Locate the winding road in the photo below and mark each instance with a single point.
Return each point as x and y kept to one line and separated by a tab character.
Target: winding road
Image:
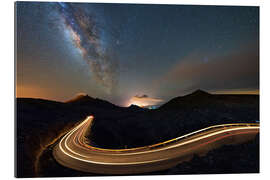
72	151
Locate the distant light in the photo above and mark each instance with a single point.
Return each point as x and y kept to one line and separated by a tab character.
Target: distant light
151	107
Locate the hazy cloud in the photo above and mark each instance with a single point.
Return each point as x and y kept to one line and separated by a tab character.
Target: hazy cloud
144	100
141	96
239	70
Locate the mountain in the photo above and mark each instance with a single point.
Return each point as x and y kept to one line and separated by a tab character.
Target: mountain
135	108
85	100
41	121
197	98
80	98
200	99
199	94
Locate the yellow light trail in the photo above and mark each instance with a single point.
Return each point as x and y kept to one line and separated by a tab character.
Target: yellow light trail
88	154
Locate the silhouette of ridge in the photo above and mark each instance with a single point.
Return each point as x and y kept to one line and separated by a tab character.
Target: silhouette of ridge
86	100
201	99
80	98
199	93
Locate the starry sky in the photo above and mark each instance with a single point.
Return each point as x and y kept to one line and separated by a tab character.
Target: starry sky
132	52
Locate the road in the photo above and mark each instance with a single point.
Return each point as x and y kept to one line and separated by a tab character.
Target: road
72	151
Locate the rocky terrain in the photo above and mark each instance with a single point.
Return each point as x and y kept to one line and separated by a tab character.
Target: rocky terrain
40	122
242	158
179	116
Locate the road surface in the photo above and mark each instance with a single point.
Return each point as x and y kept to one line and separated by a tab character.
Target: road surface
72	150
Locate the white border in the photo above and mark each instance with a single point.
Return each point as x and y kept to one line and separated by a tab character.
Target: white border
7	87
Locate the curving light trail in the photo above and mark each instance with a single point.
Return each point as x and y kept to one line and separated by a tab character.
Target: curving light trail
72	151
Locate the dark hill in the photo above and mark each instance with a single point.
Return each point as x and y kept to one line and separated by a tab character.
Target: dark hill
80	98
179	116
136	108
39	121
85	100
199	94
201	99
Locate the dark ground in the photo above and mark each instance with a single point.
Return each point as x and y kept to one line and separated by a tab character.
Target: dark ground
177	117
243	158
41	121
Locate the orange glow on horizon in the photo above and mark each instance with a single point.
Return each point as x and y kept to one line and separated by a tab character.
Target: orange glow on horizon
23	91
137	104
30	92
145	101
255	92
38	92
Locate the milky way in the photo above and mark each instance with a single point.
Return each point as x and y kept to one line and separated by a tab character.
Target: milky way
86	36
115	51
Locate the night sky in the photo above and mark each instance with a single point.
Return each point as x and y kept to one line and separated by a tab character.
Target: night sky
125	52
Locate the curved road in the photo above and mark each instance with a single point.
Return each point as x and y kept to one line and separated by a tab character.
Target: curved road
72	151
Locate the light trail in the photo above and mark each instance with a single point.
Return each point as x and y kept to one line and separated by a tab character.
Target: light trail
74	153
